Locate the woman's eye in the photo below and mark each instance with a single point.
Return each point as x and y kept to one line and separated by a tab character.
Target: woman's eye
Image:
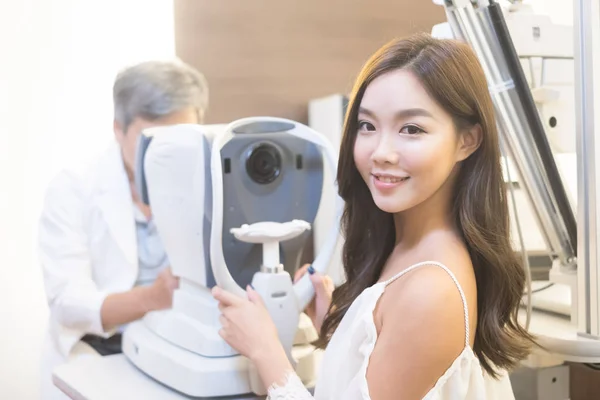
411	129
365	126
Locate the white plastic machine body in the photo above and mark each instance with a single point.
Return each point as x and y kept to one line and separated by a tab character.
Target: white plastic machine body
181	347
326	115
182	180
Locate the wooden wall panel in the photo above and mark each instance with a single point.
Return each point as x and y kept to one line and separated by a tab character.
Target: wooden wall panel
271	57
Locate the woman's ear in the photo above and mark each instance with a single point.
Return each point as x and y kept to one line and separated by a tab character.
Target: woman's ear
470	140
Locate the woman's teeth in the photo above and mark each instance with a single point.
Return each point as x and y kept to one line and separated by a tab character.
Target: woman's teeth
388	179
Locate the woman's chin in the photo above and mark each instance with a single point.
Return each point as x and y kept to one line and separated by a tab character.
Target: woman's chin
389	205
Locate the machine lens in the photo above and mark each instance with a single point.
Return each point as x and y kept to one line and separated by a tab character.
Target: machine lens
264	164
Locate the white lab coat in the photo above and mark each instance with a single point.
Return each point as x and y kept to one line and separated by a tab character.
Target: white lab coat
88	249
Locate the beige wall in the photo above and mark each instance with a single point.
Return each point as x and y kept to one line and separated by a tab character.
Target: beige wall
270	57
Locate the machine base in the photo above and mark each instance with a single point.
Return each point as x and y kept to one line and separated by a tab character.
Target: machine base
561	338
198	376
551	383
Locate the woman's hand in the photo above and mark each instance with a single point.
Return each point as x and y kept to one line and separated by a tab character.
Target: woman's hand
249	329
246	323
319	305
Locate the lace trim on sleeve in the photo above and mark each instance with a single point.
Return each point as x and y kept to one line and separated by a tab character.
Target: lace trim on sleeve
292	389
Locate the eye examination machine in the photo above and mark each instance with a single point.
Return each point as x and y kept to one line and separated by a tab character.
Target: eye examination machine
232	208
251	201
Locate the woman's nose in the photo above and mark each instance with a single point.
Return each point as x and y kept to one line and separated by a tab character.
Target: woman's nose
385	152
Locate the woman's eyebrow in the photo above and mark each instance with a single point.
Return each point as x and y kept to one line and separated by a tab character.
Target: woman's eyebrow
406	113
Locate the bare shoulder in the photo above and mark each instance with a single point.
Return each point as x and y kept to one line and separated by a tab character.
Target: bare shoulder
421	333
428	297
431	296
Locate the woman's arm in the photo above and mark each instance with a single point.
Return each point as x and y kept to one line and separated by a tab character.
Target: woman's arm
422	331
248	328
279	377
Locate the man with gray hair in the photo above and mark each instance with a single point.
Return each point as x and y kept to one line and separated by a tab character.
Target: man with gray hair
103	263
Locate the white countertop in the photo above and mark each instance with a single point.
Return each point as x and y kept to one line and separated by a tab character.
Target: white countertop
115	378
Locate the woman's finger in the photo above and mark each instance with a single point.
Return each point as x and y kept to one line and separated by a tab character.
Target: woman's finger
253	296
230	313
225	297
223	308
328	283
224	321
300	272
323	284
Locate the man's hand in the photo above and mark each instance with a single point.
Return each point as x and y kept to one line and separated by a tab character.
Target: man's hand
161	291
125	307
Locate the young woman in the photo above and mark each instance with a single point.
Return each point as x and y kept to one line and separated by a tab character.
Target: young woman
429	308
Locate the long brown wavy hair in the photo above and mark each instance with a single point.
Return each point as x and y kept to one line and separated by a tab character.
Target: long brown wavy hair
451	74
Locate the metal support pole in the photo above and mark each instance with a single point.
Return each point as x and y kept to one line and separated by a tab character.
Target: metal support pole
586	26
